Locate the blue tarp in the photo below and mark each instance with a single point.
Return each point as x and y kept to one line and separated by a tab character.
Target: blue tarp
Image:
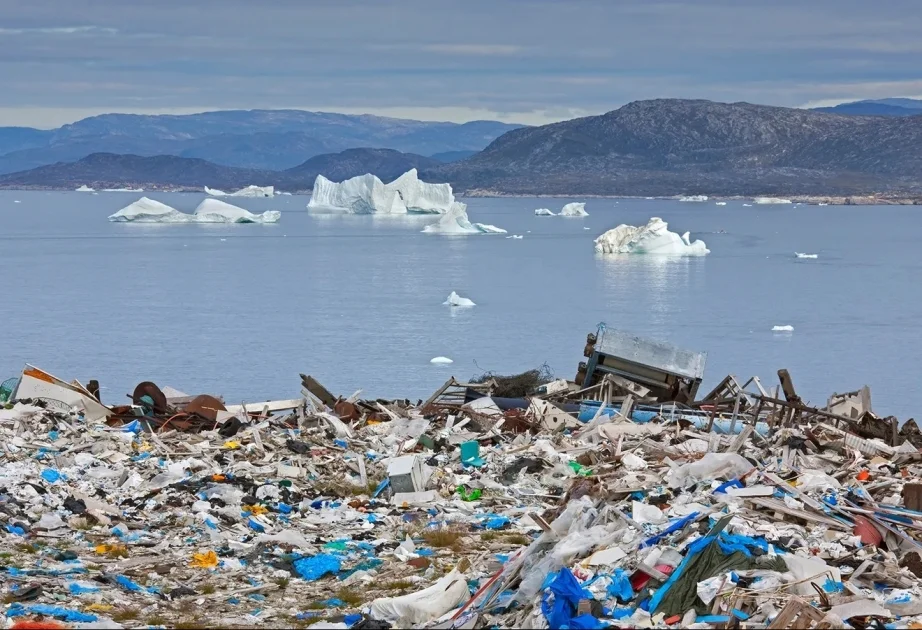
315	567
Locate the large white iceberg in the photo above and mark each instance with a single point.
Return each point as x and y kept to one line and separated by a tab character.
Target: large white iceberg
146	210
456	221
652	238
216	211
249	191
544	212
85	188
366	194
422	197
697	198
574	210
769	200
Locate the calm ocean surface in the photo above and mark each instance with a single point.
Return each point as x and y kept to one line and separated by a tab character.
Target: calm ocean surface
240	310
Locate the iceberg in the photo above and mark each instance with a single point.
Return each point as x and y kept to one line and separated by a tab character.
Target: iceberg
441	361
366	194
216	211
800	255
456	300
519	237
762	201
85	188
652	238
146	210
123	190
544	212
456	221
786	328
574	210
249	191
421	197
721	203
694	198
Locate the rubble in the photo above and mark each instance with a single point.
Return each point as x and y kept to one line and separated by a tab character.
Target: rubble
622	499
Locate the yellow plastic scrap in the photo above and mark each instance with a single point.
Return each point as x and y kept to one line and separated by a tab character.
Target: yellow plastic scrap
232	445
207	560
97	607
255	510
111	549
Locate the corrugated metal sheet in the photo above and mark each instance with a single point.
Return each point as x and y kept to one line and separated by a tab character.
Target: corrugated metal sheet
656	354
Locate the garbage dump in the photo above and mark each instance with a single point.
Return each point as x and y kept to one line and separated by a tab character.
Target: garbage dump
623	499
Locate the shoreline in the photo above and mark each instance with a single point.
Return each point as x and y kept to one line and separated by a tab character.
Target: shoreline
830	200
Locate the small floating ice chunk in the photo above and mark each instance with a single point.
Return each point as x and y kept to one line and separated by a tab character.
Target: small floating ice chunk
456	221
16	201
747	205
441	361
652	238
574	210
456	300
543	212
802	255
694	198
515	236
85	188
214	192
785	328
763	201
123	190
721	203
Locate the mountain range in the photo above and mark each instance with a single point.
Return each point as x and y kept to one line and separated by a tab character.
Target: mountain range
880	107
255	139
646	148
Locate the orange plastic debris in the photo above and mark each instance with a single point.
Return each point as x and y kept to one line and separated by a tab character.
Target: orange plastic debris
207	560
864	475
27	624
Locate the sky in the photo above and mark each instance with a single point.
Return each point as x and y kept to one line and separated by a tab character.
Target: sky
526	61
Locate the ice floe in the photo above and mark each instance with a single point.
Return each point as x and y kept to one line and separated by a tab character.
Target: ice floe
441	361
785	328
544	212
720	203
517	237
652	238
85	188
456	300
574	210
456	221
216	211
249	191
765	201
802	255
366	194
146	210
697	198
123	190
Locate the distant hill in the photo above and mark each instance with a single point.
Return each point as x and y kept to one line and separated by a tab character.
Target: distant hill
452	156
107	170
387	164
256	139
881	107
671	146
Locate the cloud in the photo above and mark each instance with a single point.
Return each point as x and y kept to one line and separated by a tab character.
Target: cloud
527	60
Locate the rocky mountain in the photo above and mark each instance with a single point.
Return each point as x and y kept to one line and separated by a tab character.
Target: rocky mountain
387	164
256	139
881	107
670	147
108	170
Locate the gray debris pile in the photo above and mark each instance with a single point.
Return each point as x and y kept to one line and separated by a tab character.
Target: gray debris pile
621	499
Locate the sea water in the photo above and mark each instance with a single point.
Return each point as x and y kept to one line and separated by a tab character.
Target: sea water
356	301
